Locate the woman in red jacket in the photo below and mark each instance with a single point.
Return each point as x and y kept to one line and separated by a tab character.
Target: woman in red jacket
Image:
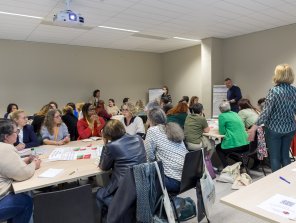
91	124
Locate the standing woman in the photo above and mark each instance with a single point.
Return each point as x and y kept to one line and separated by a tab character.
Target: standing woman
166	94
91	124
14	207
10	108
26	137
54	131
278	117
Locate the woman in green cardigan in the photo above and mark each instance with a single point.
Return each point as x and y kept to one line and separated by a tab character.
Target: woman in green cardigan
236	137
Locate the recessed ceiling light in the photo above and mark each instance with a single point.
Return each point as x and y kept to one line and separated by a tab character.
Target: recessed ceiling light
120	29
194	40
15	14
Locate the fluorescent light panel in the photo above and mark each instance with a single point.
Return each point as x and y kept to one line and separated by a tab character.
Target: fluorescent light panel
194	40
120	29
22	15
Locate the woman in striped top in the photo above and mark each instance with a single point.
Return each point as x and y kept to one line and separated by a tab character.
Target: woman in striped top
164	141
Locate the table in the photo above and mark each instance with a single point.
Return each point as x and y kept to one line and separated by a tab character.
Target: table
82	168
247	199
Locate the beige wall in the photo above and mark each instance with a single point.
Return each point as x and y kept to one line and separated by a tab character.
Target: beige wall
32	74
250	59
182	72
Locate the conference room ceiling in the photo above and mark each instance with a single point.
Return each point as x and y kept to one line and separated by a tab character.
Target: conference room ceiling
158	21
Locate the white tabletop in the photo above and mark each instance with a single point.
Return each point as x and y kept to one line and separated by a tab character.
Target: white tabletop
81	168
247	199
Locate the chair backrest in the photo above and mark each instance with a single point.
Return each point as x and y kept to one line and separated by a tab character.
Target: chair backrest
123	206
71	205
193	169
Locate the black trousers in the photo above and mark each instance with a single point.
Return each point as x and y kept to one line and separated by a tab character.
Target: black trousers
222	153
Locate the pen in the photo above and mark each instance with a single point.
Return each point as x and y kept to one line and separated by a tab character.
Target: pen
72	172
282	178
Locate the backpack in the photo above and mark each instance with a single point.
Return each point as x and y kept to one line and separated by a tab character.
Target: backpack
186	208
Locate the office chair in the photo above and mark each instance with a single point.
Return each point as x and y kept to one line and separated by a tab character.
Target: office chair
123	205
71	205
245	157
193	169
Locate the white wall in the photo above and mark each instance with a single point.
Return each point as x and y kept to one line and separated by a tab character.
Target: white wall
32	74
182	72
250	59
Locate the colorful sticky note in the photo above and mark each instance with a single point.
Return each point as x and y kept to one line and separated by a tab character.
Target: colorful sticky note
87	156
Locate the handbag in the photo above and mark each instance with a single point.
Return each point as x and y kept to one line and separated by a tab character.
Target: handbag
209	166
165	198
208	190
230	173
241	181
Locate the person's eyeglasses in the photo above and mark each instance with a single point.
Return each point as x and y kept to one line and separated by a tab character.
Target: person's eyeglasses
124	109
57	116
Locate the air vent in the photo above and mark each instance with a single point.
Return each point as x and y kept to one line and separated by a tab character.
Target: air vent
149	36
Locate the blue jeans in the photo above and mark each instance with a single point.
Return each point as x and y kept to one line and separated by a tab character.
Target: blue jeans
16	208
172	185
278	145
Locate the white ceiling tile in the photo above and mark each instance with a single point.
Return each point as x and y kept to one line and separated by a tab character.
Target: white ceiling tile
194	19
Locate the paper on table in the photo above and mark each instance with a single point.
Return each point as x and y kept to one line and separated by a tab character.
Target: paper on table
50	173
280	205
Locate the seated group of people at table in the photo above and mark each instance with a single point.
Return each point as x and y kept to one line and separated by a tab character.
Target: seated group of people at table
125	147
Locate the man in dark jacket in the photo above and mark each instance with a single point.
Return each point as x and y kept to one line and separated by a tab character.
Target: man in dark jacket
122	152
233	94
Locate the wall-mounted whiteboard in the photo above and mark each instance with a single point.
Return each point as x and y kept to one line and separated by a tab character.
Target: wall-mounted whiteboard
154	93
219	94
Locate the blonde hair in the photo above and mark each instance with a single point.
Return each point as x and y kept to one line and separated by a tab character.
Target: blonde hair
283	73
15	115
79	106
131	108
67	109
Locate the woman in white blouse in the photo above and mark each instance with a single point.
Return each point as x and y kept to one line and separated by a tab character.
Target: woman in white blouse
133	124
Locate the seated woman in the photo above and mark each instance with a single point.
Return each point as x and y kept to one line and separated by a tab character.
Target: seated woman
26	137
14	207
75	111
38	120
195	126
121	151
248	113
164	141
101	111
54	131
178	114
91	124
193	100
133	124
71	122
236	137
10	108
112	109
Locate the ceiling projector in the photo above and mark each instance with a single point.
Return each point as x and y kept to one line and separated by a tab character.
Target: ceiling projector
68	18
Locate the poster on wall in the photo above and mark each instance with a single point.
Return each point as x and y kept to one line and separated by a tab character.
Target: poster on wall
154	93
219	95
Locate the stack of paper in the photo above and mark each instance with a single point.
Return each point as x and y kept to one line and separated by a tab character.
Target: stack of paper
50	173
